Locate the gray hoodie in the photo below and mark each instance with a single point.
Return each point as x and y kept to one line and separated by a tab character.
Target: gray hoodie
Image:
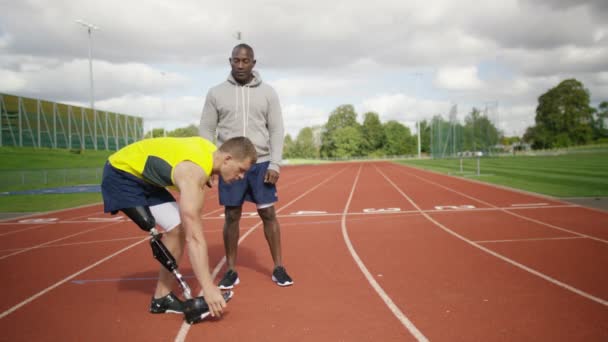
252	110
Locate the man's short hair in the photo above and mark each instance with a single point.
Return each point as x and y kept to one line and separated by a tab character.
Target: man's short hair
244	46
240	148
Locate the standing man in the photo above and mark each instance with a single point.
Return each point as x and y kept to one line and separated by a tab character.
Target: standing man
134	182
244	105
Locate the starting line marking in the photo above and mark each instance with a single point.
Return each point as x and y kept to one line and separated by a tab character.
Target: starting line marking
455	207
382	210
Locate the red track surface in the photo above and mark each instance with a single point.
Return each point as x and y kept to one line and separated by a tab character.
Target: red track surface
378	252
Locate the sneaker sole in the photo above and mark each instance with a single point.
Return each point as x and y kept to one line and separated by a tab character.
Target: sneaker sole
288	283
223	287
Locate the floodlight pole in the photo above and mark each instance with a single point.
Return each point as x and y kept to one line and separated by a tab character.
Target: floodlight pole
418	123
90	28
417	75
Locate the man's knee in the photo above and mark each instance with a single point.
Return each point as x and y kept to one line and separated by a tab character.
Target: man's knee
267	214
232	214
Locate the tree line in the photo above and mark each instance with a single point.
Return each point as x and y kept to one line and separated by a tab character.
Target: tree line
564	117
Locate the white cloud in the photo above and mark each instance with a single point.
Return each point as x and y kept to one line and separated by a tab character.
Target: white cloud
458	78
297	117
320	54
312	86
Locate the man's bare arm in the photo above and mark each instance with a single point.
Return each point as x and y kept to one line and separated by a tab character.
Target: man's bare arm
191	179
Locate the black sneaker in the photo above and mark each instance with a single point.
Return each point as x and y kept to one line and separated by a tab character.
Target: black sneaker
167	304
280	276
230	279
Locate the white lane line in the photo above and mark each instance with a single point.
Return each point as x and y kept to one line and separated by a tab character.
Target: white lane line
74	243
185	328
511	212
500	256
534	239
9	311
370	278
48	212
49	242
285	186
34	227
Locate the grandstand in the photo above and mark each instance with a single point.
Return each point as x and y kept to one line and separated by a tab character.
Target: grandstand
27	122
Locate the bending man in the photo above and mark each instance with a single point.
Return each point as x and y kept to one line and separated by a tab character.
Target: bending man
135	180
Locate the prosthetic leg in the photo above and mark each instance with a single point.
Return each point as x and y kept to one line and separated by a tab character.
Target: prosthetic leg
195	309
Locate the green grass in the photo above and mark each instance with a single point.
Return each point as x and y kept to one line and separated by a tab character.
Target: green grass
583	174
22	169
27	158
298	161
567	175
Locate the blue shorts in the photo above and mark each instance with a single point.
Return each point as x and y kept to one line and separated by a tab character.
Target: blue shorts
251	188
121	190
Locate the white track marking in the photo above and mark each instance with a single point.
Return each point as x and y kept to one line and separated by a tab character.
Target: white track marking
49	242
533	239
34	227
509	211
285	186
74	243
500	256
48	212
183	330
9	311
370	278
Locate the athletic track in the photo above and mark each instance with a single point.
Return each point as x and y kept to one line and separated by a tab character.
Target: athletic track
378	252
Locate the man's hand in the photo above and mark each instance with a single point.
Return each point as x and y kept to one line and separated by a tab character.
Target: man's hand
214	299
271	176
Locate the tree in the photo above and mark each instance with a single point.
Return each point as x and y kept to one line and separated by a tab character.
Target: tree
399	140
480	132
305	145
348	142
600	122
190	131
342	117
425	136
155	133
288	147
373	133
563	117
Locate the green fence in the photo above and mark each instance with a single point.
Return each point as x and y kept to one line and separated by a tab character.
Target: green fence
11	180
40	123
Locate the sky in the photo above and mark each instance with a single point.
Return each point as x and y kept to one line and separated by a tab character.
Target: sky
405	60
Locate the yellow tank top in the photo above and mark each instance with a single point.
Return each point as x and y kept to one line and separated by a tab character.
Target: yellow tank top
154	160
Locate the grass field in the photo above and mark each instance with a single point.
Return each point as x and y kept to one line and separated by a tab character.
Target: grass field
24	158
567	175
582	174
30	162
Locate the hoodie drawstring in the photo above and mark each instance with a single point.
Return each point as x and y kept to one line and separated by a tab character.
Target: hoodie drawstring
244	104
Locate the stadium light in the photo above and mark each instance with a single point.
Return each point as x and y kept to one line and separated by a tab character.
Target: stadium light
417	76
90	28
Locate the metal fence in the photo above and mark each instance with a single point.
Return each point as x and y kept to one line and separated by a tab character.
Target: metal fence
39	123
31	179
